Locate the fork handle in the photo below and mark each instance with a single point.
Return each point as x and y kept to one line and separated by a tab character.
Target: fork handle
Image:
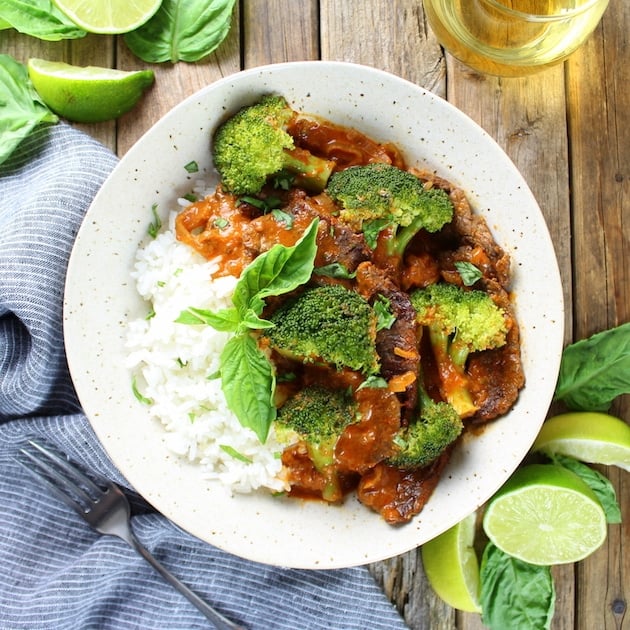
221	622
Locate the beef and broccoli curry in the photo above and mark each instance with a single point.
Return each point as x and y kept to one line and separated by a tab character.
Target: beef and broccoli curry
402	337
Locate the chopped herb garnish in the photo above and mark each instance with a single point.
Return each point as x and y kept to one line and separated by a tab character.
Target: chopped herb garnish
265	205
232	452
181	363
283	217
156	224
192	167
150	315
220	223
384	316
376	382
335	270
468	272
136	392
190	197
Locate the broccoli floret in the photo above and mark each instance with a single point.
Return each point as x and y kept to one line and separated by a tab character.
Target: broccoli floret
424	440
318	415
328	324
379	196
459	321
253	145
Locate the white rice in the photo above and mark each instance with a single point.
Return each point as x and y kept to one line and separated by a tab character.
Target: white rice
173	365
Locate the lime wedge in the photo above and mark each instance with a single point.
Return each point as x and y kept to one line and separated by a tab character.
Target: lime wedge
87	94
109	16
451	566
591	437
545	515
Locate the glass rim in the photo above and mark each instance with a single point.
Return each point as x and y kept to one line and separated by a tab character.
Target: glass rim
534	17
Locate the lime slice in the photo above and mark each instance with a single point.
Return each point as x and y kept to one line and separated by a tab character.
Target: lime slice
591	437
545	515
87	94
109	16
451	566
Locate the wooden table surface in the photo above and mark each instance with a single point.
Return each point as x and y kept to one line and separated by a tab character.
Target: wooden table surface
568	131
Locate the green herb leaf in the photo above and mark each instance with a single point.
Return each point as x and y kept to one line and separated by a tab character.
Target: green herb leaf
468	272
603	489
136	392
384	317
248	382
232	452
226	320
39	18
371	230
21	108
376	382
515	594
335	270
182	31
594	371
279	270
283	217
156	225
192	167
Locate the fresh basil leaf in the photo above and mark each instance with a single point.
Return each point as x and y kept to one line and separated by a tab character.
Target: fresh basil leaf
39	18
468	272
225	320
603	489
251	320
515	594
335	270
279	270
594	371
182	30
21	108
248	383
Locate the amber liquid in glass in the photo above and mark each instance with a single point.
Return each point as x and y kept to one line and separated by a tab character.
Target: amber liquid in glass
494	36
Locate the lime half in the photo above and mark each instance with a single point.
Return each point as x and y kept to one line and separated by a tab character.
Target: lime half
545	515
87	94
452	568
109	17
597	438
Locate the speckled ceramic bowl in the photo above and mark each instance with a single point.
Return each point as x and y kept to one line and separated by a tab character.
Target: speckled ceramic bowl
100	299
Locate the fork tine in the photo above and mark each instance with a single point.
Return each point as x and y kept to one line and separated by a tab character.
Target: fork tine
55	469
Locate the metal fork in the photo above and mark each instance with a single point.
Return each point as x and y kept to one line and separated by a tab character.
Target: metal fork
107	511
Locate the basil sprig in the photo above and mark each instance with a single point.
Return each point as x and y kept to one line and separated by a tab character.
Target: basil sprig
594	371
182	31
515	594
247	376
21	108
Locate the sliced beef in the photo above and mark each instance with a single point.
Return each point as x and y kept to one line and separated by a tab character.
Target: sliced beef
398	345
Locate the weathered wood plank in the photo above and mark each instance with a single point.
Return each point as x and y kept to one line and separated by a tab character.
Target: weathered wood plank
279	31
526	116
391	36
599	121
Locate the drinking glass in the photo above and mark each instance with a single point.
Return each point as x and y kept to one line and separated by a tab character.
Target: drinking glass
513	37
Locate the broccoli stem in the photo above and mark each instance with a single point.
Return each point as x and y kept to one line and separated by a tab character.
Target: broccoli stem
397	244
312	172
451	359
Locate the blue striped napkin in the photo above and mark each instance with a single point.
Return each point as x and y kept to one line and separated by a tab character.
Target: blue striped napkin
55	572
